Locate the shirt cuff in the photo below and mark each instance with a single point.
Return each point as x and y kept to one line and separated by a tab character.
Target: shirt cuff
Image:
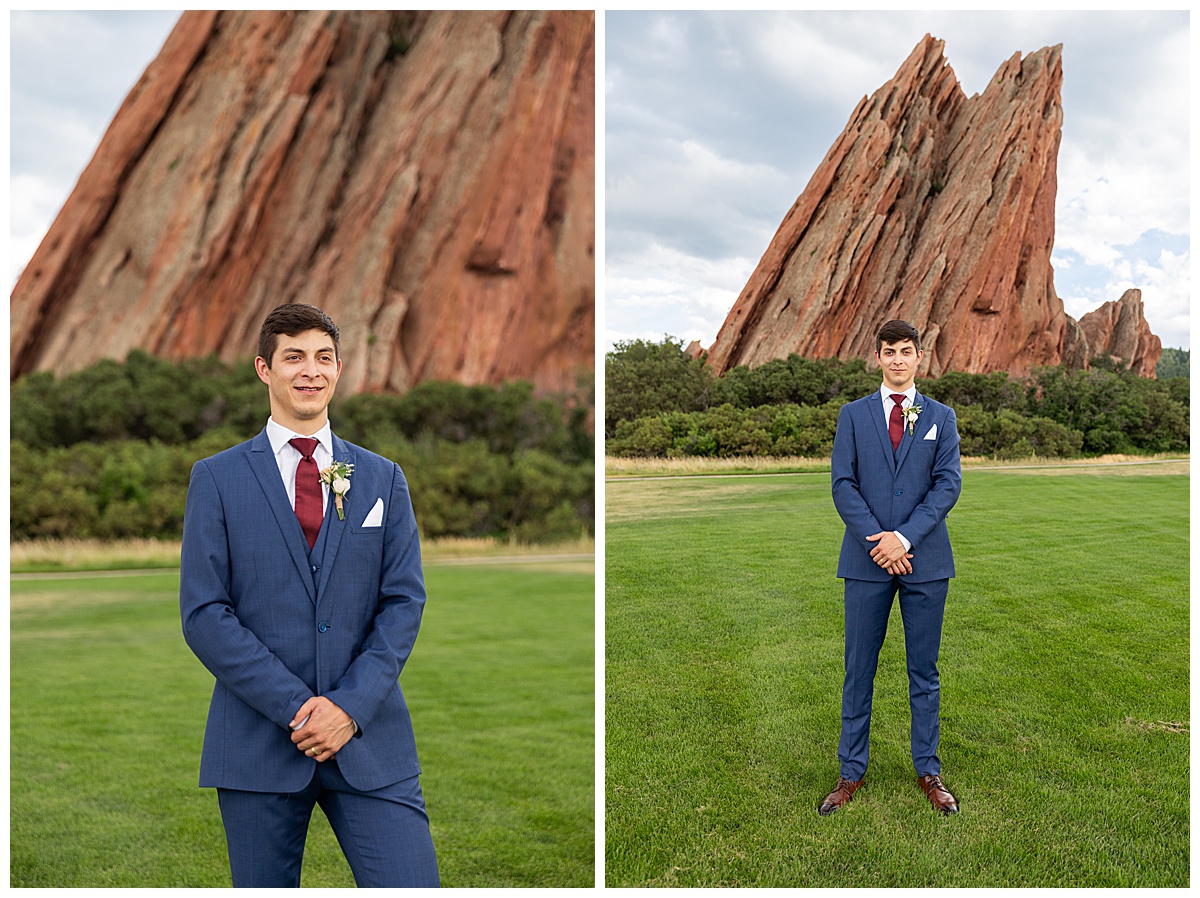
900	536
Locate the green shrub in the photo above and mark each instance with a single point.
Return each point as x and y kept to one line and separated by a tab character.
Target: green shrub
642	378
1006	435
804	430
727	431
1116	411
1174	363
794	380
643	438
661	403
990	392
106	452
508	418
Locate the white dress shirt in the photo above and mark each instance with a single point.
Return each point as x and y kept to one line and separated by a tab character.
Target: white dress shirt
910	396
287	457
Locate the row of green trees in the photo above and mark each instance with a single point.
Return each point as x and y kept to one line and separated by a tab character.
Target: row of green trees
661	402
1173	363
107	452
786	430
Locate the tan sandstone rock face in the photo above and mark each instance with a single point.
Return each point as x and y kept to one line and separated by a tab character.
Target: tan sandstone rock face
426	178
939	210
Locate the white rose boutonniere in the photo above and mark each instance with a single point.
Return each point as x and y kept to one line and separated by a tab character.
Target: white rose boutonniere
910	415
337	478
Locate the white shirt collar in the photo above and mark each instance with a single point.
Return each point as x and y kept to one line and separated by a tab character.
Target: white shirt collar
910	394
280	436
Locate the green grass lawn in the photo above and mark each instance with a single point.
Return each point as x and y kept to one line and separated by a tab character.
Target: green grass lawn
108	708
1064	672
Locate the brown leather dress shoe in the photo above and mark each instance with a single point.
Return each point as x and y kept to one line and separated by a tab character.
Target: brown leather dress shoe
841	794
939	796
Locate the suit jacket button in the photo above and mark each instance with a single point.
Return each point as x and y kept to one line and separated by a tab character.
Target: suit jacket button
312	568
898	492
322	626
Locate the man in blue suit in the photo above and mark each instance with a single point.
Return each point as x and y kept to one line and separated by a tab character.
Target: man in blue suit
895	473
302	594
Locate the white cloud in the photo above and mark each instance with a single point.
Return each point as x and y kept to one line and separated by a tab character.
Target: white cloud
802	57
70	72
664	183
1166	295
1106	201
34	200
695	293
1165	282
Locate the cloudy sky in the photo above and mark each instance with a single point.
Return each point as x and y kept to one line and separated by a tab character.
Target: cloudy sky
69	73
714	123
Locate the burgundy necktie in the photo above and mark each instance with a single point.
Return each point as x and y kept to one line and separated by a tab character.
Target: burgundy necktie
308	489
896	421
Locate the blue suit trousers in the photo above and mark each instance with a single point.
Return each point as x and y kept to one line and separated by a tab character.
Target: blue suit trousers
868	604
384	834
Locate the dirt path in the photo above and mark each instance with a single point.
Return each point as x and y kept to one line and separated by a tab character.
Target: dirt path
538	560
1141	466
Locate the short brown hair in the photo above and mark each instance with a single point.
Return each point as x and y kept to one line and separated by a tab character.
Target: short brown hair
294	318
897	331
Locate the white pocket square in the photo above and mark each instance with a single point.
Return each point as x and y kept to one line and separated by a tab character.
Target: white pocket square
375	515
932	435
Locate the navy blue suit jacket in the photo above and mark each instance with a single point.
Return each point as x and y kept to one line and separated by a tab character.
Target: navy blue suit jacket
910	490
276	624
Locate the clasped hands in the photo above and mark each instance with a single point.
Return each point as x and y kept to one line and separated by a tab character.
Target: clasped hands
325	728
889	553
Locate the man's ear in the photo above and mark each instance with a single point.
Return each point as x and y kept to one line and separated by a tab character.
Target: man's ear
263	369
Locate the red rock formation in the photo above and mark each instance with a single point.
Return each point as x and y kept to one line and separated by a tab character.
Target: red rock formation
933	208
427	178
1119	330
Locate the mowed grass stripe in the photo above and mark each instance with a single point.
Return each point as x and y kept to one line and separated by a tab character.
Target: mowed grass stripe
108	708
1064	690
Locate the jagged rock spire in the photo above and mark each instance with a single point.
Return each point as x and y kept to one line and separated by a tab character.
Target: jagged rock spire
934	208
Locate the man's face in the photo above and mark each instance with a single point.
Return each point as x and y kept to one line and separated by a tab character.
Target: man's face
899	362
301	379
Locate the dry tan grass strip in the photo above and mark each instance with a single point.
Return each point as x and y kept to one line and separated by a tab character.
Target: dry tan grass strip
1168	726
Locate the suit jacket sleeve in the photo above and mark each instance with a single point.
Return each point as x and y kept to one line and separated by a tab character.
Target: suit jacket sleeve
946	485
372	675
847	498
232	653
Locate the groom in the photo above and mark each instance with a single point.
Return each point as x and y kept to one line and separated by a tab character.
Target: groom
896	476
302	594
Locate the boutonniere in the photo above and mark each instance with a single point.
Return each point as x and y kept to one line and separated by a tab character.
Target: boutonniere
910	415
337	478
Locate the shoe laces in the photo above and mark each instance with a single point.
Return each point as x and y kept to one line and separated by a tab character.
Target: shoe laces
845	785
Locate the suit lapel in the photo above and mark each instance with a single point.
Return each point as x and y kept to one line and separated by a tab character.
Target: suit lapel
875	407
262	462
336	528
906	439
